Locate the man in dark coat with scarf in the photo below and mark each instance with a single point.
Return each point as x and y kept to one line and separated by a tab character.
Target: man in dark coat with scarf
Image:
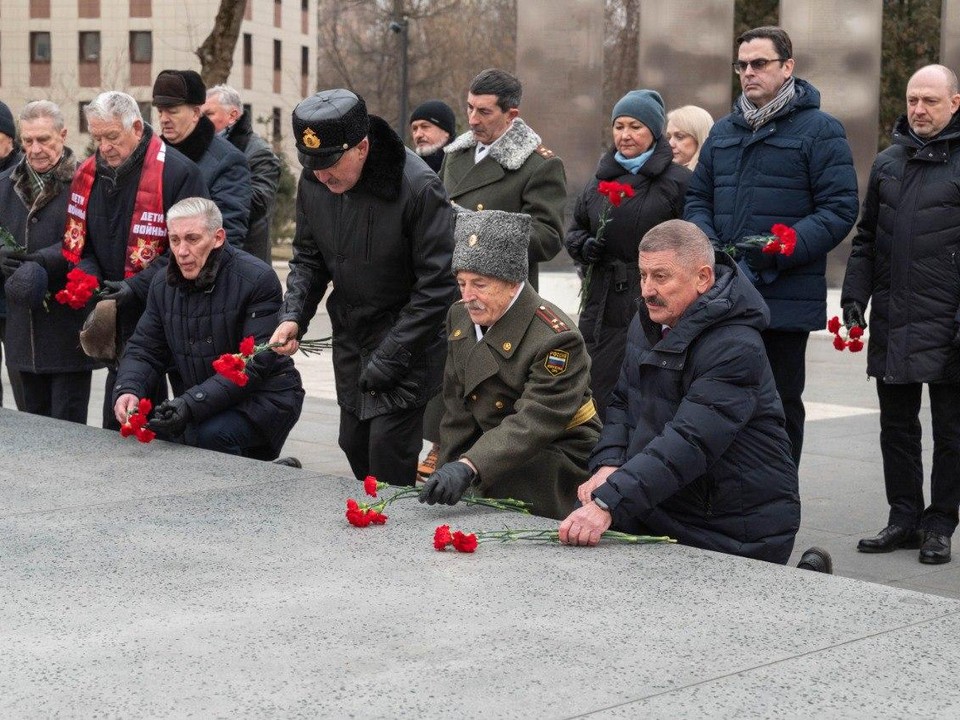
115	220
210	298
224	109
777	158
519	419
906	263
373	220
42	348
694	445
178	96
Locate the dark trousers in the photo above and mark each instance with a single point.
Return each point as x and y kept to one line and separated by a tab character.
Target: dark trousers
229	432
109	418
386	446
15	384
900	436
787	353
63	396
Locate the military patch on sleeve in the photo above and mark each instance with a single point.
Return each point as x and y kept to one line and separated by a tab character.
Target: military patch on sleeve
556	361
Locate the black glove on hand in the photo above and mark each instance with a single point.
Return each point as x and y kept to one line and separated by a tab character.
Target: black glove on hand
592	250
448	484
853	314
10	260
377	376
755	258
171	417
118	290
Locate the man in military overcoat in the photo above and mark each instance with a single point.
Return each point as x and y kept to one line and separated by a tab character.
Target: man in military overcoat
519	420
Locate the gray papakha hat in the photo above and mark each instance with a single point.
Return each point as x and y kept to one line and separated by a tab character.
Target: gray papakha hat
492	243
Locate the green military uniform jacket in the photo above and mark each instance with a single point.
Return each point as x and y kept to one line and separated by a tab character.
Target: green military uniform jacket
518	175
518	404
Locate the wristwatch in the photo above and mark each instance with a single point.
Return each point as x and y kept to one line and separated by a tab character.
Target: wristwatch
599	503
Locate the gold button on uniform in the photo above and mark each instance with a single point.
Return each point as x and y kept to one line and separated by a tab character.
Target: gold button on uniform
479	206
473	397
508	346
499	404
457	332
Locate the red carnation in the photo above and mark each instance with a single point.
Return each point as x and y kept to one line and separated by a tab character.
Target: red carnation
442	537
370	485
839	343
834	325
615	192
855	345
247	346
464	542
855	332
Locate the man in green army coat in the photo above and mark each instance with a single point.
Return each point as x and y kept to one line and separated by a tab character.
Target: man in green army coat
519	420
500	164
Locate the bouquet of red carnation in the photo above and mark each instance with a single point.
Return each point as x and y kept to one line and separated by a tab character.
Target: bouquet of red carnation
614	193
781	241
851	341
362	514
137	421
468	542
80	288
233	366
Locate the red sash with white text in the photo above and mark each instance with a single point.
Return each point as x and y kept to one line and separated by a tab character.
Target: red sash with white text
148	226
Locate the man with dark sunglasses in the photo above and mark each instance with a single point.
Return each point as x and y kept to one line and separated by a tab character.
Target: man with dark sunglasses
777	158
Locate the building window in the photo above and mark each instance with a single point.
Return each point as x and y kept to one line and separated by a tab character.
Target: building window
39	8
141	46
89	47
140	9
277	13
88	8
84	128
305	16
247	49
248	11
146	110
277	55
276	125
40	47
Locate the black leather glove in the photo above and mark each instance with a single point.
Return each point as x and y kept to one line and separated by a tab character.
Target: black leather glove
10	260
448	484
592	250
378	376
755	258
853	314
118	290
171	417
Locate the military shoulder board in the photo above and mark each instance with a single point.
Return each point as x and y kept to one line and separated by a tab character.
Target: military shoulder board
544	151
552	319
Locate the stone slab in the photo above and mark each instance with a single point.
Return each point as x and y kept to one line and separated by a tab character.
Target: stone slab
164	581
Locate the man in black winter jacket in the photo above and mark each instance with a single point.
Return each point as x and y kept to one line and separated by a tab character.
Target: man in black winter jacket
375	221
211	297
906	263
694	444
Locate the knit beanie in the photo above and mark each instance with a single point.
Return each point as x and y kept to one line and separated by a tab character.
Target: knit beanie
27	286
7	126
643	105
492	243
438	113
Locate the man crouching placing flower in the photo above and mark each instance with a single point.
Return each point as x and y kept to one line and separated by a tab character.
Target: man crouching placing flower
519	421
210	298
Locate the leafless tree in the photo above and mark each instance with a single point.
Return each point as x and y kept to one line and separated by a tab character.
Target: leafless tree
216	51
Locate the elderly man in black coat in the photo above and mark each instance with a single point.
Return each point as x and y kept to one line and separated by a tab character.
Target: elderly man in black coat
905	263
210	298
375	221
694	444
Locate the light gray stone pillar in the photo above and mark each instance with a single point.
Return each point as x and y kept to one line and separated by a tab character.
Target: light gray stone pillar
559	62
685	52
950	34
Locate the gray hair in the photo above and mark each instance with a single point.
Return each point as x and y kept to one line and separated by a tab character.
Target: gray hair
690	243
197	207
111	105
227	96
43	109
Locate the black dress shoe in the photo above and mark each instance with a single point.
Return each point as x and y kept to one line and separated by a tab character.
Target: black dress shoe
935	549
889	539
288	461
816	559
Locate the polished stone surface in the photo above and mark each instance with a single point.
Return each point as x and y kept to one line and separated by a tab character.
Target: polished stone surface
156	580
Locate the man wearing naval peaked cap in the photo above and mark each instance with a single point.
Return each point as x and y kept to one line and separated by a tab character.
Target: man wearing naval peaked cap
519	420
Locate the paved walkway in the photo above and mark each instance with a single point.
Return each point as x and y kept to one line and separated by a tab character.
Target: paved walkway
840	475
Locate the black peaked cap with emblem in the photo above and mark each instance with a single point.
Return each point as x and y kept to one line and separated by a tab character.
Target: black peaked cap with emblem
327	124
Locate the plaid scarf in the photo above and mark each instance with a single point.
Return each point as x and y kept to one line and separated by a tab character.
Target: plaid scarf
758	117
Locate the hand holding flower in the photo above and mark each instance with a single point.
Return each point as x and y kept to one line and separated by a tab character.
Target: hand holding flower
585	525
448	484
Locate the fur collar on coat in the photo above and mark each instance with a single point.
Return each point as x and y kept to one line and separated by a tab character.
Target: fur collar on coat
510	151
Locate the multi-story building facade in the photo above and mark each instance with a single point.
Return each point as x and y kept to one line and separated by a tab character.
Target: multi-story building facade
68	51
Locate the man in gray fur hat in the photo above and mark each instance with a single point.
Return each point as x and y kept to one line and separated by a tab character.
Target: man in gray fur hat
519	419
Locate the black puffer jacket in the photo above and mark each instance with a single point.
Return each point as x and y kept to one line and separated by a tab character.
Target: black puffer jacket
264	180
109	213
42	340
386	245
696	429
906	258
659	187
189	324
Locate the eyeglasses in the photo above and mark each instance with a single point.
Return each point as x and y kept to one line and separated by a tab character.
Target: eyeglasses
740	66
